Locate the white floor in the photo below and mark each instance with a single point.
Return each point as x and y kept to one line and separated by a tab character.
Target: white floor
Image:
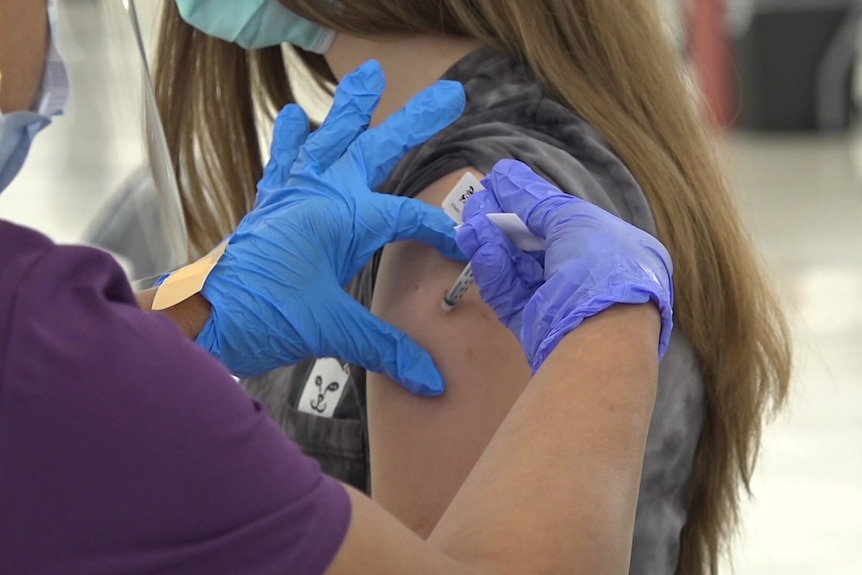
803	199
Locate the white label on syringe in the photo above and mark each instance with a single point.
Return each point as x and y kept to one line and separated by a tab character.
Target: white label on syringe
454	203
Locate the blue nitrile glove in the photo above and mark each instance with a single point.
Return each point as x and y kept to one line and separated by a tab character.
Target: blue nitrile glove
593	261
278	292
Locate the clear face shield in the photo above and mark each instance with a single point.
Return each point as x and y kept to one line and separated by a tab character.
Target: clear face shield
101	173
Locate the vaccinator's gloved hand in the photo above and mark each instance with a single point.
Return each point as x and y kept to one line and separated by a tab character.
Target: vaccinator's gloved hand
593	261
278	292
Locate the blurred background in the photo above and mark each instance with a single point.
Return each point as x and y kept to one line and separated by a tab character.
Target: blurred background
782	80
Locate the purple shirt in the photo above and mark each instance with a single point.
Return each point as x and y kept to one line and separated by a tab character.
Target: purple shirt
124	448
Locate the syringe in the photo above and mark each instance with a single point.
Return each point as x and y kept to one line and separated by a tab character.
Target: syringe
458	290
510	224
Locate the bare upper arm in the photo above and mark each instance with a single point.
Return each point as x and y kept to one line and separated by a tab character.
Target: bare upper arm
422	450
540	501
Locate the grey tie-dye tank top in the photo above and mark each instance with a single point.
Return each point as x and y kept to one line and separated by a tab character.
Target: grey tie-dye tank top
321	405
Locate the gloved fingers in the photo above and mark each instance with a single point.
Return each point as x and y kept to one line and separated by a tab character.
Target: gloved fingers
428	113
482	202
479	228
521	191
291	130
365	340
507	277
410	219
479	232
356	100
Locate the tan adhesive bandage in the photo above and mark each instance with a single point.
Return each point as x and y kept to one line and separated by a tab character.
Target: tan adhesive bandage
187	281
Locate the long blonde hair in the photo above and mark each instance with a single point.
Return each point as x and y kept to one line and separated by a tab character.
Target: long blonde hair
609	61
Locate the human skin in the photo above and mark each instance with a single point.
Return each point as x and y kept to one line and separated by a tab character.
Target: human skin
24	37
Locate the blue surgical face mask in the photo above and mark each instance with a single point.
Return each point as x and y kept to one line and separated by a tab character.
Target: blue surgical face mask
17	132
255	24
19	129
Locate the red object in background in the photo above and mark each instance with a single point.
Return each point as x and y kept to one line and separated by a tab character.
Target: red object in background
710	53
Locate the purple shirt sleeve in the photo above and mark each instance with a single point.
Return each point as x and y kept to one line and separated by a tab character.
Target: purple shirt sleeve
124	448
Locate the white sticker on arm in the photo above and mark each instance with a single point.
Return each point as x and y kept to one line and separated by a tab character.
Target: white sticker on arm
454	203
